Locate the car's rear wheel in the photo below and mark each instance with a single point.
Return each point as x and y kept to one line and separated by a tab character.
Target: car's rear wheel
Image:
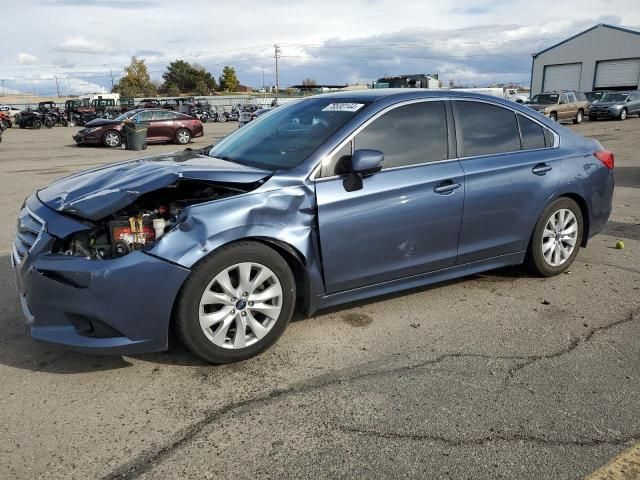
111	139
556	239
553	116
183	136
579	117
236	303
623	114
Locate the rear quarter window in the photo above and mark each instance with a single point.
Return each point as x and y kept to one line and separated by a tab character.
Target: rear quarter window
532	134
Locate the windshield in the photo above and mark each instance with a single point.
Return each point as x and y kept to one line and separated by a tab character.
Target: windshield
125	115
287	135
545	98
615	97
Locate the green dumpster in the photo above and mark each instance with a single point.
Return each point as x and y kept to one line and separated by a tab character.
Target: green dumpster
135	136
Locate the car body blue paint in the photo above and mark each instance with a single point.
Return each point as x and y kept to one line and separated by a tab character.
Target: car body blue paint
394	233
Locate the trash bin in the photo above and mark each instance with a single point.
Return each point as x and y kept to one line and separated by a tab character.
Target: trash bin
135	136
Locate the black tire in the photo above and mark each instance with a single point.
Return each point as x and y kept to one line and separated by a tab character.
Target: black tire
183	136
109	135
534	260
5	124
623	114
36	124
553	116
186	312
579	116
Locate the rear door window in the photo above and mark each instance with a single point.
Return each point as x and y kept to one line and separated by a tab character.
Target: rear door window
160	115
408	135
485	129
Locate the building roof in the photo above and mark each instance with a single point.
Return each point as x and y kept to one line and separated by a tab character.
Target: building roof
311	87
614	27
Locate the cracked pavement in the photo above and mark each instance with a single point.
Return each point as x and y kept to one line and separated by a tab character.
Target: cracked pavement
498	375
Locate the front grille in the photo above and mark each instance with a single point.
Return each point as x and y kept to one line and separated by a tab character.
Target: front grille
28	230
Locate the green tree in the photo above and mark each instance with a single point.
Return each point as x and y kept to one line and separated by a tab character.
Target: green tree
228	80
171	89
188	78
136	81
202	88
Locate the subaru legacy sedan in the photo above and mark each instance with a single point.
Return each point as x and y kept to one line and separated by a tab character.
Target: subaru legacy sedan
323	201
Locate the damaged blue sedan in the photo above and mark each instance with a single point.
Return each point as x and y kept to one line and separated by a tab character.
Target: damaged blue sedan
323	201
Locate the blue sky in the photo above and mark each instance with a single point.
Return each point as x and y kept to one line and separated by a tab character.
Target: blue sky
473	42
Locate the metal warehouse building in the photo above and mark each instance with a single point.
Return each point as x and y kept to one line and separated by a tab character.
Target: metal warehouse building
604	57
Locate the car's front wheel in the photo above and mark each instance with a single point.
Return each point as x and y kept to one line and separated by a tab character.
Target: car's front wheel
553	116
623	114
236	303
556	239
112	139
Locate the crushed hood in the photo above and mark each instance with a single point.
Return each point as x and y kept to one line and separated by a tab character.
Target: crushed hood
97	193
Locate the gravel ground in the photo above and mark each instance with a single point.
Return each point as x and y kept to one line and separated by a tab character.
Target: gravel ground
499	375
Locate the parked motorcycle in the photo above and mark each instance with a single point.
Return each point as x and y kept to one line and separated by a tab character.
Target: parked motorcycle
5	120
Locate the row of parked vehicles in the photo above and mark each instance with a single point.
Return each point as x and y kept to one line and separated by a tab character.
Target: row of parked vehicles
82	111
572	105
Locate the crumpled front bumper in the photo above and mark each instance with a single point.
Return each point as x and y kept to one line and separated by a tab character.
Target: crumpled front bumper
119	306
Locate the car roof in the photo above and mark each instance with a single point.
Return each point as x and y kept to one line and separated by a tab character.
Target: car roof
375	94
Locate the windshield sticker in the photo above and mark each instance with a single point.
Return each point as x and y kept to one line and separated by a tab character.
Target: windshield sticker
343	107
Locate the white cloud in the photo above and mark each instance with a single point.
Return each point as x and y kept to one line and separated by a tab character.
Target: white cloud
26	59
80	44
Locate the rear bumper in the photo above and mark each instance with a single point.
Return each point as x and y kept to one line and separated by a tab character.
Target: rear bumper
119	306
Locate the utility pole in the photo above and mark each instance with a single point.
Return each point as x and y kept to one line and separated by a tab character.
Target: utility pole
68	85
3	82
112	80
57	86
277	54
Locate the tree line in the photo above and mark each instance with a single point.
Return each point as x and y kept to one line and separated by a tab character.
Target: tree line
179	77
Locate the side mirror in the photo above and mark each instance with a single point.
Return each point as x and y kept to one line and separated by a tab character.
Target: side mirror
367	162
363	162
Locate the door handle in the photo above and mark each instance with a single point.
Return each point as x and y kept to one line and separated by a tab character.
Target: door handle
447	187
542	169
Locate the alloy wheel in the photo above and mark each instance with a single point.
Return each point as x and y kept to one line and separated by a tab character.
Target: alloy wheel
559	237
240	305
111	139
183	137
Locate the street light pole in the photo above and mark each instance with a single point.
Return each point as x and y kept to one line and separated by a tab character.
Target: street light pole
277	54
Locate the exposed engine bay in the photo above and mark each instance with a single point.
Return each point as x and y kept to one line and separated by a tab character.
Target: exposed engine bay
145	221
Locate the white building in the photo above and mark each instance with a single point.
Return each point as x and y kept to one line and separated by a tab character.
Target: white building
604	57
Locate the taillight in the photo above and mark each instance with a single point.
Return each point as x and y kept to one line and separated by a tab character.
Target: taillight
606	157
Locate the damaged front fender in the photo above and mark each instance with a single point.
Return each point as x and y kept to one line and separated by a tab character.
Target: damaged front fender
285	215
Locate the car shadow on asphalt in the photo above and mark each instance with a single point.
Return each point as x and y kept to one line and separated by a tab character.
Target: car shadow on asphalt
627	177
19	350
629	231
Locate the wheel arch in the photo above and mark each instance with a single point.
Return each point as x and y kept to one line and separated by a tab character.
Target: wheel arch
584	210
294	258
